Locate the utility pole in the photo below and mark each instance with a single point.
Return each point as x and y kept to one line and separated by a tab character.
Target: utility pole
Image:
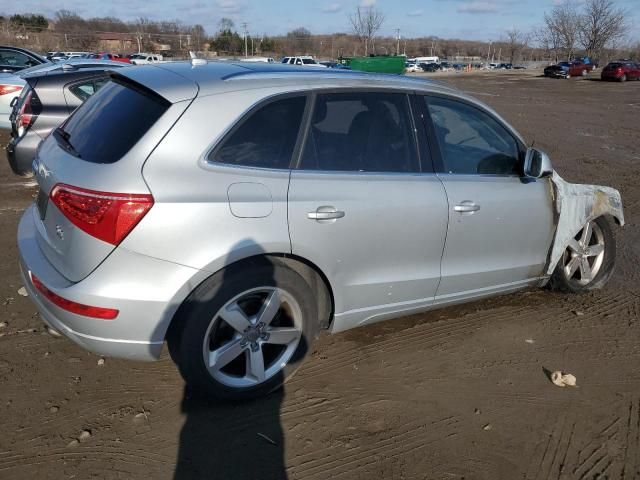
488	52
244	26
397	41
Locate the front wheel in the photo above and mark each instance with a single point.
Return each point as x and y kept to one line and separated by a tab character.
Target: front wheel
242	333
589	259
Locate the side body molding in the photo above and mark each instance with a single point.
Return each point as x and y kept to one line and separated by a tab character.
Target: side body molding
576	205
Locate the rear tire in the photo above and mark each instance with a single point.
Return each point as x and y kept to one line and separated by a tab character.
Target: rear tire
598	248
244	331
623	78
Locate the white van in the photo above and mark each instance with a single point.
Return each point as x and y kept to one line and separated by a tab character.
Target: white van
420	60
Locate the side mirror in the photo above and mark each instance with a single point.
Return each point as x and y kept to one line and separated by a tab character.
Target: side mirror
537	164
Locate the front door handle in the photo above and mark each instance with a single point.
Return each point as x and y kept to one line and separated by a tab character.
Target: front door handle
325	213
466	206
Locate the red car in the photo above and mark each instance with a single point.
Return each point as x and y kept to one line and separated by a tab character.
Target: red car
578	69
109	56
621	71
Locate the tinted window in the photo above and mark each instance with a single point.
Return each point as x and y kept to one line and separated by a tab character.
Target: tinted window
85	89
471	141
367	132
267	138
10	58
110	122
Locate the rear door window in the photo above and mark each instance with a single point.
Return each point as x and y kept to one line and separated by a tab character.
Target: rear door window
361	132
85	89
266	138
472	141
110	122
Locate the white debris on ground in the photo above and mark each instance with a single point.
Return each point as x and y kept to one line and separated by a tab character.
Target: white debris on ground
23	291
563	379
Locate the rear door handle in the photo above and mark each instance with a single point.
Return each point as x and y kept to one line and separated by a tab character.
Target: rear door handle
325	213
466	206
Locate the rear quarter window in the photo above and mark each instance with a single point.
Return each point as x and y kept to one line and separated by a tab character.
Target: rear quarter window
111	122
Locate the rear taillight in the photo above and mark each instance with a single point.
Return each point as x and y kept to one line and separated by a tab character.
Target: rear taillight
106	216
26	115
71	306
7	89
618	70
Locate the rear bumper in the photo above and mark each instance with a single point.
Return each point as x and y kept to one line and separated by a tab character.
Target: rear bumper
145	290
21	151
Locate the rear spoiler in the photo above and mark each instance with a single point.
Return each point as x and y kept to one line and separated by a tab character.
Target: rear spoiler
159	81
138	87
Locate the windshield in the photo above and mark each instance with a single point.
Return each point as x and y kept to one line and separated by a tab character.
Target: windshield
308	61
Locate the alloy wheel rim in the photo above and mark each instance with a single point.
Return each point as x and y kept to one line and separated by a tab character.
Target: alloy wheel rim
583	258
252	337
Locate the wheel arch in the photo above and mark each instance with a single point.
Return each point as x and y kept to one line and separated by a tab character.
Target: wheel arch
312	274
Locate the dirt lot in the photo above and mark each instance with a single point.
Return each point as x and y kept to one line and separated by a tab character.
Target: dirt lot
455	393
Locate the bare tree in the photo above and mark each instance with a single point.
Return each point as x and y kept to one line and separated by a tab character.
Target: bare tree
601	24
299	40
365	23
565	20
515	42
549	39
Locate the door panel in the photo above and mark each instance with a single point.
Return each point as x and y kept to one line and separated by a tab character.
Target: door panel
360	209
505	240
386	249
500	224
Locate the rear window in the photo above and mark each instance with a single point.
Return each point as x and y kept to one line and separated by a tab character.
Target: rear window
110	122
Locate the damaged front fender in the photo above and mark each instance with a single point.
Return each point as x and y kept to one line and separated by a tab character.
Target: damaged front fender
576	205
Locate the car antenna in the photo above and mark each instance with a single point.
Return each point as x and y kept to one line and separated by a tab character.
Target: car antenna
195	61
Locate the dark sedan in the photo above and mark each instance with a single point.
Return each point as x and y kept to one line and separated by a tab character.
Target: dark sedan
13	59
567	70
45	102
430	67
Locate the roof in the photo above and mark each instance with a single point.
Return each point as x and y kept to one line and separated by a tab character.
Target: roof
178	81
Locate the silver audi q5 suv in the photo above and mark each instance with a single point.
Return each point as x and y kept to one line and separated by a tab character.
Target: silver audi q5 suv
236	210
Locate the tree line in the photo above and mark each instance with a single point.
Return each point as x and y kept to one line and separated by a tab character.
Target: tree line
594	27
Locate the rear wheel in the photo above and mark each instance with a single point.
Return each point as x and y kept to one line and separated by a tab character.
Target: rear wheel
589	259
242	333
623	78
584	73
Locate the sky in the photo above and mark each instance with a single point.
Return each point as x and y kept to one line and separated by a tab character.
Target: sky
465	19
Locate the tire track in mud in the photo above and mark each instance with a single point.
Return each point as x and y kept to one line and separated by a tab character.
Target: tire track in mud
425	335
565	455
335	462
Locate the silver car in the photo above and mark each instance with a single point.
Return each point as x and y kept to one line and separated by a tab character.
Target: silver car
235	210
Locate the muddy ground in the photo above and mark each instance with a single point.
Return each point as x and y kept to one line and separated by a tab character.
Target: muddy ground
455	393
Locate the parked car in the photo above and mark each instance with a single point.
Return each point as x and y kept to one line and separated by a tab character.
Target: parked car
412	68
258	59
295	218
145	58
567	70
430	67
621	71
14	59
12	83
505	66
47	99
305	61
109	56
